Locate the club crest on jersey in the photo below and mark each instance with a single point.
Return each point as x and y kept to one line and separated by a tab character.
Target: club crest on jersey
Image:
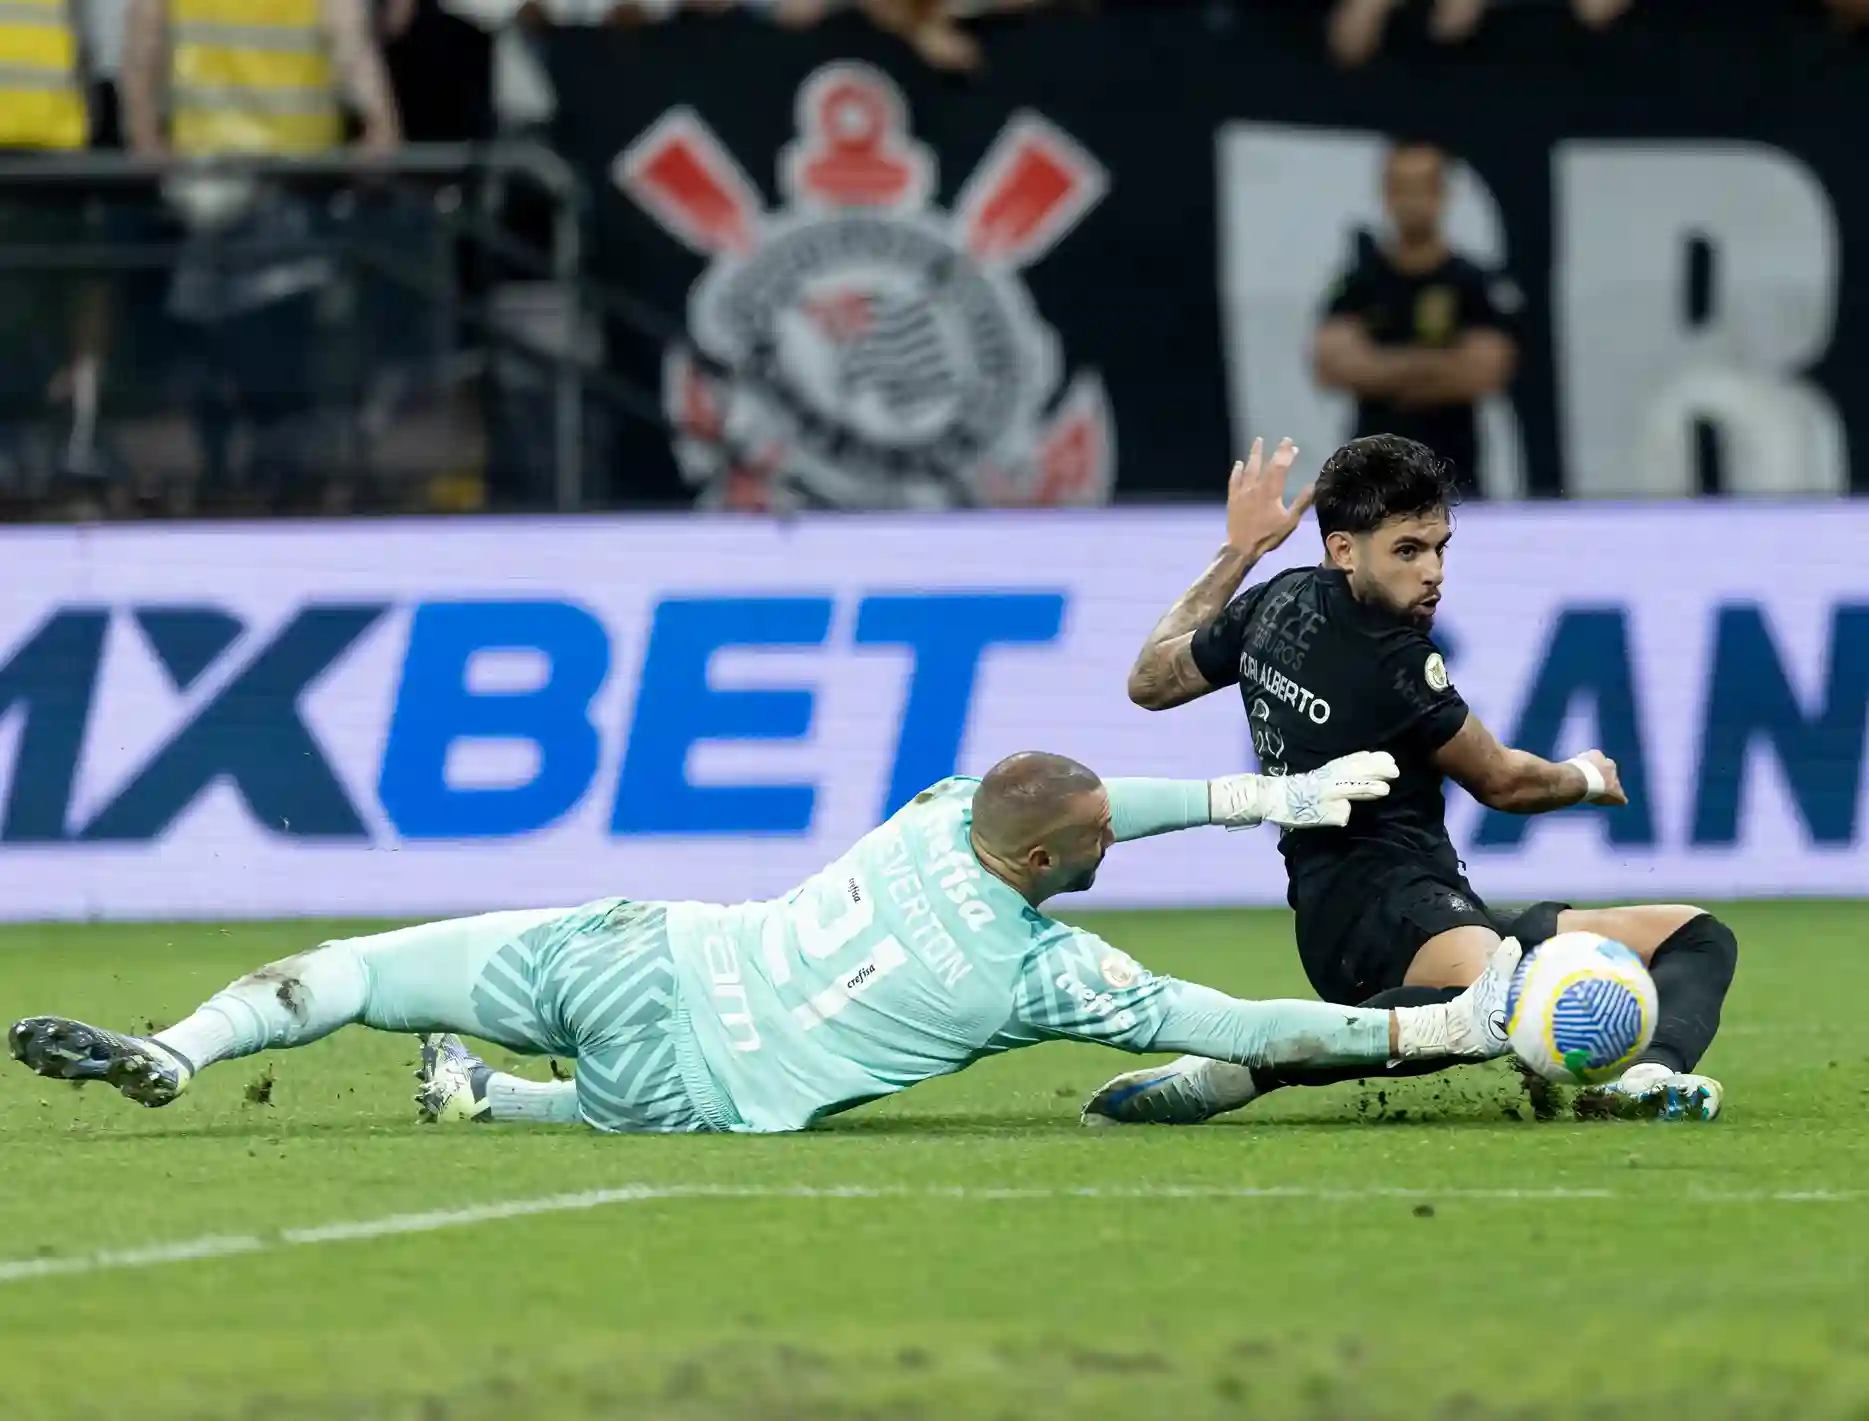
1436	672
1119	970
859	344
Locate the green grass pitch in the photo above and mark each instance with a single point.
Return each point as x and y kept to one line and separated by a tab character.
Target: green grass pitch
963	1251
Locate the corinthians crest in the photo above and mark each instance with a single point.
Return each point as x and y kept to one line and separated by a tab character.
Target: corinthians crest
858	346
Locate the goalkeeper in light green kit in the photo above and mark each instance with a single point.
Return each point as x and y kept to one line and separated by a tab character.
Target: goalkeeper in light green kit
920	951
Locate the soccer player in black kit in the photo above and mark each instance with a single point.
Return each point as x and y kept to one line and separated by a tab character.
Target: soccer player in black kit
1339	657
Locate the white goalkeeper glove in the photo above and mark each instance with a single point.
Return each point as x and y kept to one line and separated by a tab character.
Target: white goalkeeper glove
1320	799
1472	1027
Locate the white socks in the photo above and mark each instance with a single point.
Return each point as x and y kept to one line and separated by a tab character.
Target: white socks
288	1003
549	1102
202	1039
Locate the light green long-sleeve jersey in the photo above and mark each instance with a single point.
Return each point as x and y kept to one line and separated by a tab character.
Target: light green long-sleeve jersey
905	960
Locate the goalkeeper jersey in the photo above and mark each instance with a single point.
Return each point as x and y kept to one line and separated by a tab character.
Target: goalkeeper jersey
902	961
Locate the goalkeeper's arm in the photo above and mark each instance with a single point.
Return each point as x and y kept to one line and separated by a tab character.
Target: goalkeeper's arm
1322	798
1198	1021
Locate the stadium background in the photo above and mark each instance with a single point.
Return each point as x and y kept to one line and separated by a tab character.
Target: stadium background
444	713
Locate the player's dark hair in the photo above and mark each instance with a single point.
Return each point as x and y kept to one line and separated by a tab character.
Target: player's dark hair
1379	477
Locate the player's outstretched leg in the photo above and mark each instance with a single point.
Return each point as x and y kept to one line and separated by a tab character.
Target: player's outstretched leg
288	1003
469	974
457	1085
1192	1088
1692	956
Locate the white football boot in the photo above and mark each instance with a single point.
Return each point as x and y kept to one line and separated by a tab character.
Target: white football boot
454	1082
1186	1091
143	1070
1651	1091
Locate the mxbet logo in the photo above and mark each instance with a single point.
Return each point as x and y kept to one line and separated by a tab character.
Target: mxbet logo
247	728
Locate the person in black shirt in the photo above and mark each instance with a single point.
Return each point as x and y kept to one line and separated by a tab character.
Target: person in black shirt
1417	333
1340	657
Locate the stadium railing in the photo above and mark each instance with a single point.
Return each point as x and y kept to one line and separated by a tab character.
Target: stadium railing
238	334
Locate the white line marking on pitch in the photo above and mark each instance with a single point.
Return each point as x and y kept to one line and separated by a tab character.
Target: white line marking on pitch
223	1245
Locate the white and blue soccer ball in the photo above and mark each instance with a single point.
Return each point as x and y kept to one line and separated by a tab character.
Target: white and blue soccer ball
1580	1009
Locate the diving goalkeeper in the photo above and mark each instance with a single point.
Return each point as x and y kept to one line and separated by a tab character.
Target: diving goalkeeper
917	953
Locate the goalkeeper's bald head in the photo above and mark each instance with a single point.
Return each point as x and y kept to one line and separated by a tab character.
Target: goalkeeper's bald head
1041	822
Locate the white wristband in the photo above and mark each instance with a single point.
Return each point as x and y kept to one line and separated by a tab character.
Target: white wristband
1593	784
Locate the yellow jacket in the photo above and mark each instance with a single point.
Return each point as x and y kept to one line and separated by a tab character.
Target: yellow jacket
41	86
251	76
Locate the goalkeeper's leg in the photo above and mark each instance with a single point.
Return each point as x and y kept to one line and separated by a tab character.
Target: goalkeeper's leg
457	1085
615	988
467	974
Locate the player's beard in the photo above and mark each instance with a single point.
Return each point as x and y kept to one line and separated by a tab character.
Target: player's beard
1413	613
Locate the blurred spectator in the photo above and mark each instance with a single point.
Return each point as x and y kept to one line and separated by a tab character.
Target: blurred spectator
1598	14
43	82
1357	28
930	28
194	63
206	78
523	94
51	319
441	68
1416	332
1452	21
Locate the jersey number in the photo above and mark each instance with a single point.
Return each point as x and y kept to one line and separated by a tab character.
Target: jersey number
829	915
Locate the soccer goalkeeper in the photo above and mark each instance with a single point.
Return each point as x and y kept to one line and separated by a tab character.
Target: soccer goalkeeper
919	952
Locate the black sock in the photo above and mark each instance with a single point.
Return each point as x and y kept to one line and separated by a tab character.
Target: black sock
1692	971
1272	1077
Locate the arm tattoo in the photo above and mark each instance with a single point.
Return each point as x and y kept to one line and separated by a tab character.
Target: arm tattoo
1165	674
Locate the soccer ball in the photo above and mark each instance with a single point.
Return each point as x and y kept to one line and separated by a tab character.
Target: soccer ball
1580	1009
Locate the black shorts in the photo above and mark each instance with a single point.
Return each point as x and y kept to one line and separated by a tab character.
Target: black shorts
1361	936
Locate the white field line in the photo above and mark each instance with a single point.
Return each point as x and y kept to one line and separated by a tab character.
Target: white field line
223	1245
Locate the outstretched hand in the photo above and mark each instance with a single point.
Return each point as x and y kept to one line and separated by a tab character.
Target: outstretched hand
1318	799
1258	518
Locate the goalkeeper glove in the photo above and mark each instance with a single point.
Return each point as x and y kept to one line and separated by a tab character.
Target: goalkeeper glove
1319	799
